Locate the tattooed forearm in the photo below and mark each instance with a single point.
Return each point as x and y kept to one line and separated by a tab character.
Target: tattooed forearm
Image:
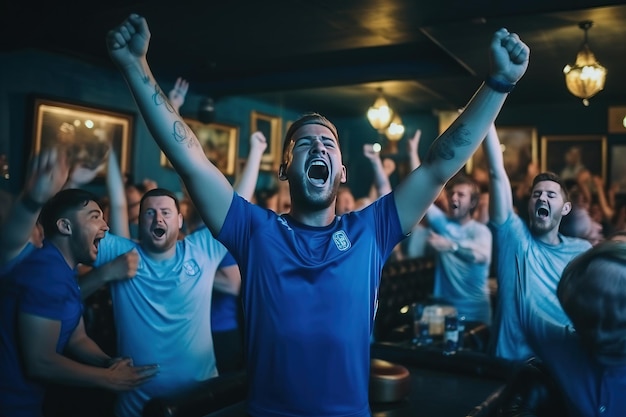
181	132
443	148
183	135
160	98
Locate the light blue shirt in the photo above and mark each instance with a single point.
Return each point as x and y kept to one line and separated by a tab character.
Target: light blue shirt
528	271
163	315
463	283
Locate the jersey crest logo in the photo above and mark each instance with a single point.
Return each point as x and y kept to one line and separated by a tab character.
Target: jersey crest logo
191	268
283	222
341	240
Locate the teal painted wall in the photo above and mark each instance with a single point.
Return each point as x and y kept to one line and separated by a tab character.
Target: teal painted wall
28	74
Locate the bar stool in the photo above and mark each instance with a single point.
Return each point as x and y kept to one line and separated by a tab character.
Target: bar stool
389	382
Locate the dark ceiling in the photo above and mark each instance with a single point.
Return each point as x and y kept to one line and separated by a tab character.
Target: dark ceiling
332	55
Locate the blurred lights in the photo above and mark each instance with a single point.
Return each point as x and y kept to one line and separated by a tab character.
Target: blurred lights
379	115
395	131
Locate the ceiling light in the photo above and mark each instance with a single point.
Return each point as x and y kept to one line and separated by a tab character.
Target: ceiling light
380	114
395	131
586	77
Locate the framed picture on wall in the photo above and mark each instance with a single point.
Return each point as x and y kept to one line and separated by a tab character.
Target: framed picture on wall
86	132
566	155
219	141
270	127
519	149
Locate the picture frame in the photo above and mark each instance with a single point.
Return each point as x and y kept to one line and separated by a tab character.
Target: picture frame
618	168
220	142
270	127
519	149
555	149
617	119
86	132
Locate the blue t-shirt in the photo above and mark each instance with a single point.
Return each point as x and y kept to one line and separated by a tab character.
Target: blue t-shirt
589	388
6	268
528	271
224	306
163	315
310	296
43	285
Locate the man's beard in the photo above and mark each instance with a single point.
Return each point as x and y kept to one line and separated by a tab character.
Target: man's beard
543	227
305	200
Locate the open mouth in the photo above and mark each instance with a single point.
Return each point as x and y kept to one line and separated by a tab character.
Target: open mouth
318	173
542	212
96	243
158	232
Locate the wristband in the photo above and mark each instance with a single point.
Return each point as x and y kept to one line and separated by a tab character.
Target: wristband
29	204
499	86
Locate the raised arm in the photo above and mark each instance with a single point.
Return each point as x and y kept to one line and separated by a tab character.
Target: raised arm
178	93
500	193
246	183
381	184
208	188
48	173
118	205
413	148
450	151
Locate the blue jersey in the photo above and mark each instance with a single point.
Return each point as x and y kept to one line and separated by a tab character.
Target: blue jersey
589	388
6	268
310	297
43	285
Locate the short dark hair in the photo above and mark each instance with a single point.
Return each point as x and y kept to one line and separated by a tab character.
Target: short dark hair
551	176
159	192
592	292
71	199
306	119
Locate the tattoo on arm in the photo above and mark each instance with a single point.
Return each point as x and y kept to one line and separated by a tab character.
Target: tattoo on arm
182	135
159	98
443	148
